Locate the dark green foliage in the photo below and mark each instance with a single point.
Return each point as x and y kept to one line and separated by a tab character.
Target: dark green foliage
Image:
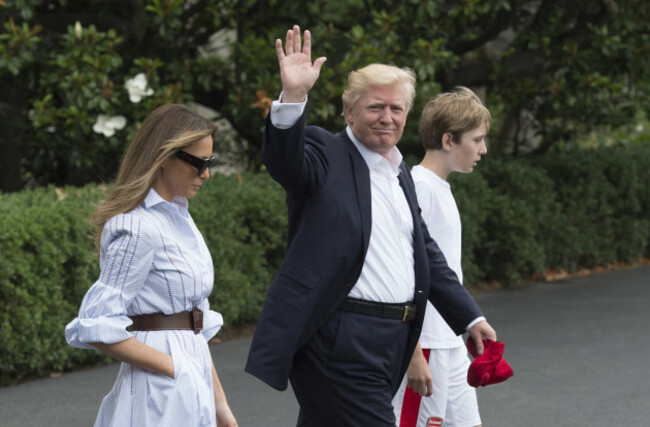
549	72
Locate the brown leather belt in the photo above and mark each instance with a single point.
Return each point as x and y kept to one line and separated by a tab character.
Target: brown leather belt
400	311
186	320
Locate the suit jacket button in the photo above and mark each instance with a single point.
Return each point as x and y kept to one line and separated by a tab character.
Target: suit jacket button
350	284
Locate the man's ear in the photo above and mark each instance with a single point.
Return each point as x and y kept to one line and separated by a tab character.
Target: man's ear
347	114
447	141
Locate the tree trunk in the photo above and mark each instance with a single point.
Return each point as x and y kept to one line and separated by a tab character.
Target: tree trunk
13	92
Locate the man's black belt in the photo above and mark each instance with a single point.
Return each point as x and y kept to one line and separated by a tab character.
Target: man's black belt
398	311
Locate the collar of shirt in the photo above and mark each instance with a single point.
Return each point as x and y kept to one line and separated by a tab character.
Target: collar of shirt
153	199
432	176
372	158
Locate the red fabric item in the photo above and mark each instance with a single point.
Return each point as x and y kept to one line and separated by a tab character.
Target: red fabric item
490	367
411	402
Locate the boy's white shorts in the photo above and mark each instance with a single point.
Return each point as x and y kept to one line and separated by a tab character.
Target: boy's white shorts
453	403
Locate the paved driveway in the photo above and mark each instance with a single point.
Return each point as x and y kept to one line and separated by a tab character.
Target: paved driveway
579	348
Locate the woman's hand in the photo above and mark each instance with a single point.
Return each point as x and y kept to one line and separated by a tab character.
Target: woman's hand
140	355
225	418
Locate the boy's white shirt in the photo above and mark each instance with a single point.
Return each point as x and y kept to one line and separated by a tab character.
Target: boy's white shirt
440	213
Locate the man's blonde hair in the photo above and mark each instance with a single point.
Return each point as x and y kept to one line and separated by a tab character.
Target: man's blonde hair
359	81
455	112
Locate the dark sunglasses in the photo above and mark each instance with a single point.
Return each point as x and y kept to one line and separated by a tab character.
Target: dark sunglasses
200	164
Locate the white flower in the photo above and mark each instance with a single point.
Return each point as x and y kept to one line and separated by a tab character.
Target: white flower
107	125
137	88
77	29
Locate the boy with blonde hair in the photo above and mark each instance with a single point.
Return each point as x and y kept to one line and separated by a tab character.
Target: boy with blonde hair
454	127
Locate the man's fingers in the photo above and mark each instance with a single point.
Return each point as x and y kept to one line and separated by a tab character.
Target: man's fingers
479	344
296	39
278	49
482	331
288	45
292	45
319	63
306	45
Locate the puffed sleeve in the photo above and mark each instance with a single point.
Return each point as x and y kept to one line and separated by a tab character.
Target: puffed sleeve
126	256
212	321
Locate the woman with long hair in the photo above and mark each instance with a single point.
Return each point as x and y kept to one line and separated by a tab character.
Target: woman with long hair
149	306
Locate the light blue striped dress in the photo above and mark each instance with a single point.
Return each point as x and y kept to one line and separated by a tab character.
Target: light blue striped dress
153	259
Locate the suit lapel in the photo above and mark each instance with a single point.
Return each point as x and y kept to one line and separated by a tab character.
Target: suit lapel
362	187
411	198
419	251
420	258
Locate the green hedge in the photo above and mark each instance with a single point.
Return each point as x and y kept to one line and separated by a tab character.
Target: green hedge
244	225
566	210
46	264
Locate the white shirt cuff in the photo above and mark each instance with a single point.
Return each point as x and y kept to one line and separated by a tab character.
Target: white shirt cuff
474	322
286	114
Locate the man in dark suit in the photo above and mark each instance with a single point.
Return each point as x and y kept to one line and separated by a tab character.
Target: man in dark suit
343	314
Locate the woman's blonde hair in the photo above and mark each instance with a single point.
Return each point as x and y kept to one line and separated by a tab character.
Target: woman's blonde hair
379	75
168	129
455	112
